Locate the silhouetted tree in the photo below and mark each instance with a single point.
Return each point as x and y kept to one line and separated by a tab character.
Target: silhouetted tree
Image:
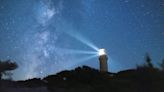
162	65
147	64
6	66
148	61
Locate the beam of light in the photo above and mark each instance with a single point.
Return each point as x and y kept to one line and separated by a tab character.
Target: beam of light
86	59
75	51
80	38
81	60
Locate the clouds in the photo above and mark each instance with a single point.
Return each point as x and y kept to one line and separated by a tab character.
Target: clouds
36	55
43	56
46	10
42	25
40	56
43	37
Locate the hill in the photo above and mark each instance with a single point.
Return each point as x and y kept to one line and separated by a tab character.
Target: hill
86	79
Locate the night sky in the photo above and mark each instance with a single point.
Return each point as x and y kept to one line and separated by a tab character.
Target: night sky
47	36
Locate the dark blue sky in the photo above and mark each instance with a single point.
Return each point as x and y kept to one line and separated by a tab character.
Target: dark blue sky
47	36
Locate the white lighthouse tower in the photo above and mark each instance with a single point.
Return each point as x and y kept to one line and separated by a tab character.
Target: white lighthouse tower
103	60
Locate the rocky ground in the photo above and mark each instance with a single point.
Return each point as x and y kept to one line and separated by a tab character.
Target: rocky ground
86	79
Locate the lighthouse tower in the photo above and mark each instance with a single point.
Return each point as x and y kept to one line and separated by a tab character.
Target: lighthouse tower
103	60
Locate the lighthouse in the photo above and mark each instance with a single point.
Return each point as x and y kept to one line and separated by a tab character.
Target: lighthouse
103	60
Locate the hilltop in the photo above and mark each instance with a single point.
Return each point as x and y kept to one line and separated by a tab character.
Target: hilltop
87	79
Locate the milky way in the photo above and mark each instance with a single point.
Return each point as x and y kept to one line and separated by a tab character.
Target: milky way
46	36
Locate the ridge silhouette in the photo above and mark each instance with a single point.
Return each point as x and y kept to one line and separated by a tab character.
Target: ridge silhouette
87	79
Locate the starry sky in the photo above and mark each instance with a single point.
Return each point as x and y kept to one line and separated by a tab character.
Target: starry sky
47	36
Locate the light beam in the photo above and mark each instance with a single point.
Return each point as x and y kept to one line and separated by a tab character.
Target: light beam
75	51
80	38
